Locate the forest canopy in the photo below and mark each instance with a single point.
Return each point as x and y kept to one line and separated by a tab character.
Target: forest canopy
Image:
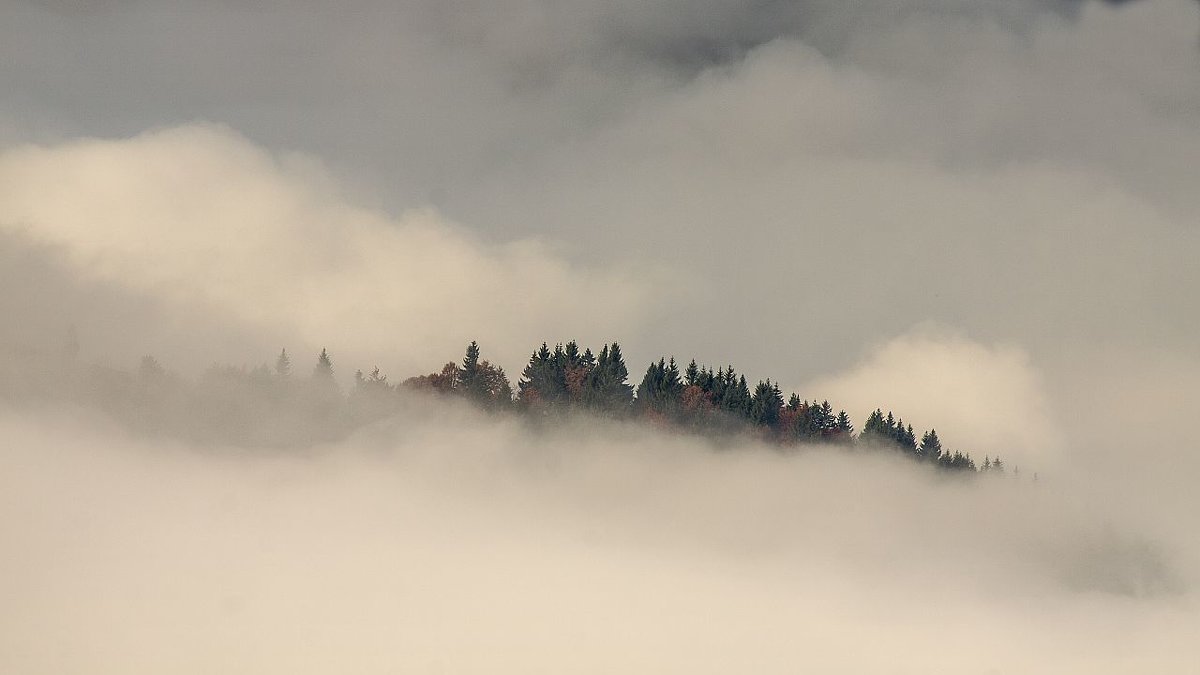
287	405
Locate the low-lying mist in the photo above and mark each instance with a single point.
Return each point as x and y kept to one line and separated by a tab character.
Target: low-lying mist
442	539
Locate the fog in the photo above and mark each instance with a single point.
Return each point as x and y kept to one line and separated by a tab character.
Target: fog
468	545
979	214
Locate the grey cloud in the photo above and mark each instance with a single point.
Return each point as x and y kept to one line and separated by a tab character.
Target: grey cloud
840	148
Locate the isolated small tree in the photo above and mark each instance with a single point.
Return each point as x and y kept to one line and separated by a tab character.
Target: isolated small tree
150	368
324	368
283	365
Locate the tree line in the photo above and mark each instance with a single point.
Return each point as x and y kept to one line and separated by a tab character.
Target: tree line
275	406
698	399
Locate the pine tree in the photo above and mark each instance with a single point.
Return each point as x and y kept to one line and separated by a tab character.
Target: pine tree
766	404
606	388
661	389
905	439
324	368
844	427
283	365
793	404
931	446
876	431
543	380
826	422
472	382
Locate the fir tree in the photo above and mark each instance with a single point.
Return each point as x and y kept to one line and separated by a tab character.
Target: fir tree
931	446
766	404
283	365
324	368
472	382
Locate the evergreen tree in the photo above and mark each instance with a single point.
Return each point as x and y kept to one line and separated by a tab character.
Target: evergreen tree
324	368
737	395
931	447
793	404
472	382
844	427
876	430
825	421
661	389
607	389
543	380
283	365
904	438
766	404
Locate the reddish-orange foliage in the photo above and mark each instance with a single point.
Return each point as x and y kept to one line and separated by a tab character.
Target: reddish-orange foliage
656	418
575	379
788	419
441	382
696	399
531	396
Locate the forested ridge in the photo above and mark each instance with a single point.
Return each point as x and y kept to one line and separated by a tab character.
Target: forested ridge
697	399
277	406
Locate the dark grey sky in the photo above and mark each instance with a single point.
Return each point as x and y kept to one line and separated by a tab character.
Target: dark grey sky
778	178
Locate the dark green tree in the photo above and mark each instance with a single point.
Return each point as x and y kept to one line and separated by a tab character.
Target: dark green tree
472	380
661	389
931	447
766	404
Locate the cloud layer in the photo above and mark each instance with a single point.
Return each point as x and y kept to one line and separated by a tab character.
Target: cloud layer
473	547
200	221
824	174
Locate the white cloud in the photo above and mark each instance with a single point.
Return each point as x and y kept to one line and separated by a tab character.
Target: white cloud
984	399
472	546
197	217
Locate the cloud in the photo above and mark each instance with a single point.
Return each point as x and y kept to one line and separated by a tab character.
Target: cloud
199	219
477	547
1029	187
983	399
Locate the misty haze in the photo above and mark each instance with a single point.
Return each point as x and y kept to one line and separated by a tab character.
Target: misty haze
643	336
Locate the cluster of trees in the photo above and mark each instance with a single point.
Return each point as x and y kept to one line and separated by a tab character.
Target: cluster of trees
274	406
698	398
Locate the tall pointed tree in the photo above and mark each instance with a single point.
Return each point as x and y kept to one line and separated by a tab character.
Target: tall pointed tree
283	365
931	446
472	382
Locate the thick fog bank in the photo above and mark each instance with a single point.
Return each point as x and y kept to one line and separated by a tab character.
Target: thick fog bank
455	543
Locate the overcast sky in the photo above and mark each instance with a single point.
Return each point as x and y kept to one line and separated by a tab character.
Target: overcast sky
788	187
981	214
